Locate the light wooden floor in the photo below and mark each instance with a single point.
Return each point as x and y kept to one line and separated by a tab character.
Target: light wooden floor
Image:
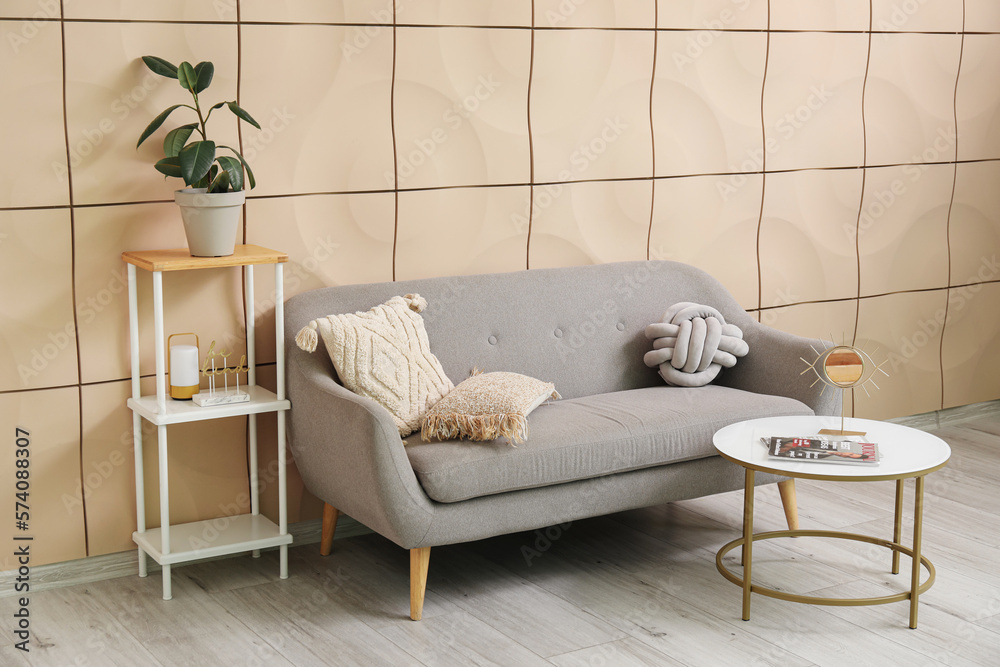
638	588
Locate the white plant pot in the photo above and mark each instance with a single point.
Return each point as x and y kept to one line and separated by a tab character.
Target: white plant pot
210	220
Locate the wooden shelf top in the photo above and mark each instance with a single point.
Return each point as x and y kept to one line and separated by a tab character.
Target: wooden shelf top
180	259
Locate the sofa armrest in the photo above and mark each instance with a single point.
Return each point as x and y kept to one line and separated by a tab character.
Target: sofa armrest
349	453
774	366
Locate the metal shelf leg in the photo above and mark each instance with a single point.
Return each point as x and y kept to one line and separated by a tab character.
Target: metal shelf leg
166	582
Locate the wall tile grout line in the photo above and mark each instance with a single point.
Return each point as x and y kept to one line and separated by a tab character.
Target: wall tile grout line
763	164
951	204
864	181
652	131
98	383
239	125
243	210
626	179
531	145
48	207
861	195
73	288
923	290
395	152
920	290
367	24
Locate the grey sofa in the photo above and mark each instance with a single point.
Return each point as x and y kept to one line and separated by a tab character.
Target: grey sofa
619	439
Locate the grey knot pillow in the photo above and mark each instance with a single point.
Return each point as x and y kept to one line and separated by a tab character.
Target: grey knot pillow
692	343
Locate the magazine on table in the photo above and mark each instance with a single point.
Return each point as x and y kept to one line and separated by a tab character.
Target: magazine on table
849	450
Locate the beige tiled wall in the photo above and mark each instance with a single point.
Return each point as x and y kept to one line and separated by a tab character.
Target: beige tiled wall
834	163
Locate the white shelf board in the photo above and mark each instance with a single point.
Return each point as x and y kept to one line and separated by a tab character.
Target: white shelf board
178	412
213	537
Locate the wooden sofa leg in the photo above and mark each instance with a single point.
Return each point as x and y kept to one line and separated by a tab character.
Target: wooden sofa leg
787	491
330	516
419	560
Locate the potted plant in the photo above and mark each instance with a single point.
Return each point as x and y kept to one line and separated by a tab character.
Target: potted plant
210	204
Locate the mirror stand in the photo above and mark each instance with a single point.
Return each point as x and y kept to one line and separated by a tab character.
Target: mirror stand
843	367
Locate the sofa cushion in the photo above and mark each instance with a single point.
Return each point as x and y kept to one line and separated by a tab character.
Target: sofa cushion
592	436
487	406
384	354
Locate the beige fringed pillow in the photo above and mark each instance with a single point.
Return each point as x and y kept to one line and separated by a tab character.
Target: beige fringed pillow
384	354
487	406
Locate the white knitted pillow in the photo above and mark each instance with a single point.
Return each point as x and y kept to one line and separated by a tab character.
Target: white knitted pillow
384	354
487	406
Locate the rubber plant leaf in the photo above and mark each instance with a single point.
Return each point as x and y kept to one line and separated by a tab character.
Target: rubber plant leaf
250	178
169	166
155	124
232	167
196	159
204	72
235	108
176	138
160	66
221	182
186	76
207	179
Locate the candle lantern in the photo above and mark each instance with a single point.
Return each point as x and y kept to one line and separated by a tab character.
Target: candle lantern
182	367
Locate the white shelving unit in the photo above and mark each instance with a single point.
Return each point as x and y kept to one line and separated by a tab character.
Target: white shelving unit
169	545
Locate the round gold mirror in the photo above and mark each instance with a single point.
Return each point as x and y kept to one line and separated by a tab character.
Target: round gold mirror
844	366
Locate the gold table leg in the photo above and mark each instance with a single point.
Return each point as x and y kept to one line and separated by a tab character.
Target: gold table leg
748	541
918	511
897	526
760	589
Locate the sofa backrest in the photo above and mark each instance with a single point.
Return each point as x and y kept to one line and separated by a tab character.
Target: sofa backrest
579	327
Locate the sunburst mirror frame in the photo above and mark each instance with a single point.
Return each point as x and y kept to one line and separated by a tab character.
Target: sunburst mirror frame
844	367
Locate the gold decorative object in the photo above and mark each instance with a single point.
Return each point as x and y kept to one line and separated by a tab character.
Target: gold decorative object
227	395
844	367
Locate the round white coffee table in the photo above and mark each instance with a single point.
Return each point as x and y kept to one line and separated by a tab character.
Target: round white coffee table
905	453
